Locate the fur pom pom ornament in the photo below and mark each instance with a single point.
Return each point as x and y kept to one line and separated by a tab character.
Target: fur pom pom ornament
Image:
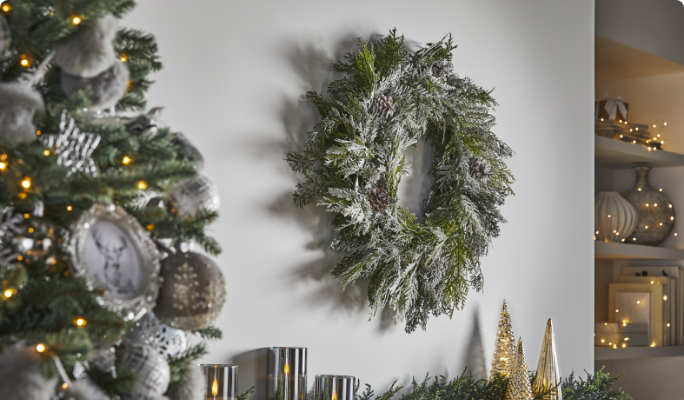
20	376
90	51
103	90
191	387
84	389
18	104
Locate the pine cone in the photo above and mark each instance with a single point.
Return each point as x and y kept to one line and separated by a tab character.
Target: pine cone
383	106
379	199
480	170
442	70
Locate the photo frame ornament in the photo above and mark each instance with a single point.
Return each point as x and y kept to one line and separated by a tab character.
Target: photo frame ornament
110	249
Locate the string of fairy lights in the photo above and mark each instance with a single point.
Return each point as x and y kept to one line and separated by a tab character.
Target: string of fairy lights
656	139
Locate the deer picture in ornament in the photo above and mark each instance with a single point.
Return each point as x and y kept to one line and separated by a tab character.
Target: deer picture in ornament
112	253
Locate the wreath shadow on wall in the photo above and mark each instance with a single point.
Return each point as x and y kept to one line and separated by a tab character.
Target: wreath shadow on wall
312	63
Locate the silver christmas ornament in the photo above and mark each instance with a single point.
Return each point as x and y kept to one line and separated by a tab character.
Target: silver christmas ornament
5	35
193	292
150	331
383	106
18	104
73	148
192	196
151	368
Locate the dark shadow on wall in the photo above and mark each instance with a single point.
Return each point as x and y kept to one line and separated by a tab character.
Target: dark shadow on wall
252	368
474	356
312	62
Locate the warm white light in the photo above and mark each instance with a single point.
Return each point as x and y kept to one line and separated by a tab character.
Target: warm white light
665	297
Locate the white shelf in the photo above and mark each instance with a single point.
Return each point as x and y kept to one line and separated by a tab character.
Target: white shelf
607	250
612	153
637	352
615	60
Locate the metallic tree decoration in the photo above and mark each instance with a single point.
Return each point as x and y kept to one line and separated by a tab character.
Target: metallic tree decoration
548	378
73	148
504	347
9	228
519	386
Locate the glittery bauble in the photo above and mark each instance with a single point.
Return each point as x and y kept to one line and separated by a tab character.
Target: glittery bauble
5	35
656	215
193	291
36	240
519	386
192	196
504	347
548	378
152	370
104	358
150	331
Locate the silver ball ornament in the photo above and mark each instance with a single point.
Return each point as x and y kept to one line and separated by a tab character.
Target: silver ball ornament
193	291
152	370
192	196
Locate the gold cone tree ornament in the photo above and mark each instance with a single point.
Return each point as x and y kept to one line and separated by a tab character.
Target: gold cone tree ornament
504	347
519	386
548	378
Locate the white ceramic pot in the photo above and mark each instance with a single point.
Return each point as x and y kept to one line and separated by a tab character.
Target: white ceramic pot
615	218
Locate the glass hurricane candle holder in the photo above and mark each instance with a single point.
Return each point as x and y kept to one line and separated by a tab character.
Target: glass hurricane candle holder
221	381
286	375
334	387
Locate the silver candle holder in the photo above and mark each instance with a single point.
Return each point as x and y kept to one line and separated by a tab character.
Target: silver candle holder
221	381
334	387
286	373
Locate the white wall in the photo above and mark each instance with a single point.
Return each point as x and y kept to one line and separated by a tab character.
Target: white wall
234	73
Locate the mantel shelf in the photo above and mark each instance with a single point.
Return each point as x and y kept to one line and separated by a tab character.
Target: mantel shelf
607	250
637	352
612	153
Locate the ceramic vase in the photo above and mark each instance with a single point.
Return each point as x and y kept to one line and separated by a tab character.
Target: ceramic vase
655	211
614	217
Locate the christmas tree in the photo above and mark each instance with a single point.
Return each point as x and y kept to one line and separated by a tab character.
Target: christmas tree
504	348
75	144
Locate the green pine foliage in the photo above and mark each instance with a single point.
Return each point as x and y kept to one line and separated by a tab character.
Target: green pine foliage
40	300
354	148
465	387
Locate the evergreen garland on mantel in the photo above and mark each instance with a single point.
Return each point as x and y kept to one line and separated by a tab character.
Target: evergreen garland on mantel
355	157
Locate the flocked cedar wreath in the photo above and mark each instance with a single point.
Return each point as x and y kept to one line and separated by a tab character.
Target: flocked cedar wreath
355	156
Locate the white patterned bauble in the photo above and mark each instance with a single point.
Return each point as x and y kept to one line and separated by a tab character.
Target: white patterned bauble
614	217
150	331
5	35
152	370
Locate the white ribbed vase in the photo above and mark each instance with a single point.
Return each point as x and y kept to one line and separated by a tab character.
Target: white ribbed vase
615	218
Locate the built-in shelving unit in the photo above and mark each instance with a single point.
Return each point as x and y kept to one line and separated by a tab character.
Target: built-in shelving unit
618	61
621	251
637	352
610	153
